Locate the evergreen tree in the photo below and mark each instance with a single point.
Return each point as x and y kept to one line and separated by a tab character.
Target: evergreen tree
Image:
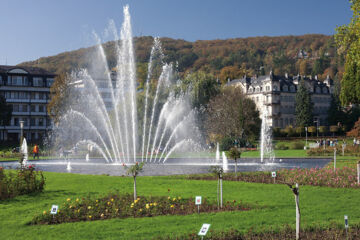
303	106
5	113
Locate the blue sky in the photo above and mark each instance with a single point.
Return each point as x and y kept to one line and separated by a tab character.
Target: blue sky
30	29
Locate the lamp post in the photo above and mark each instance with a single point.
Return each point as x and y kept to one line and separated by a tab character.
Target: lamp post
306	137
21	132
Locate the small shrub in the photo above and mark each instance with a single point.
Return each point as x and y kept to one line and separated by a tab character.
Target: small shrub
282	146
297	145
26	180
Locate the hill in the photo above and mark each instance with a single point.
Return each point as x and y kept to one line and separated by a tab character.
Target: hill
229	58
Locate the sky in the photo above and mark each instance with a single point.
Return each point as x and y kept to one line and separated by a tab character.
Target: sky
30	29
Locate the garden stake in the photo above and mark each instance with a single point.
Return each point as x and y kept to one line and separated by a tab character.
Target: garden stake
334	159
358	172
221	191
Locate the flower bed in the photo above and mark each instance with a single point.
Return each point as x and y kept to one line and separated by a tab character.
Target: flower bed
123	206
341	178
329	151
25	180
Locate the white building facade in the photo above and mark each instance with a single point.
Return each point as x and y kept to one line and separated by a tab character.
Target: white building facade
276	94
27	89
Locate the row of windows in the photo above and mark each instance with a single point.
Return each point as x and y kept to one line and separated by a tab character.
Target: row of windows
321	110
24	81
287	98
321	99
288	109
32	121
25	108
25	95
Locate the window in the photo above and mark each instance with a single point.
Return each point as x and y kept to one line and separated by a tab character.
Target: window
37	82
1	82
16	121
41	122
275	88
15	108
292	89
32	122
49	82
41	108
267	88
23	108
33	108
285	88
318	90
325	90
17	80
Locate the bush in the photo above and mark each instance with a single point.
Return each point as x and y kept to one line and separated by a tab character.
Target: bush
226	143
26	180
281	146
297	145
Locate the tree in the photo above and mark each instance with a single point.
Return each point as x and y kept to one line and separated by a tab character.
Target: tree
355	132
348	41
232	114
203	87
60	97
134	170
303	106
5	113
235	154
218	171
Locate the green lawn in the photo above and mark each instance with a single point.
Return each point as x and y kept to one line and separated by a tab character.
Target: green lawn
319	206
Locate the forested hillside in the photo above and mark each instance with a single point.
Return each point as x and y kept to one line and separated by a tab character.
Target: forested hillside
230	58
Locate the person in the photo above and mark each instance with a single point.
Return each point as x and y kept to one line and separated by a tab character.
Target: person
36	151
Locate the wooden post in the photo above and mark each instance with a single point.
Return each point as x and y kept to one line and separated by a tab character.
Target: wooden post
297	211
358	172
135	196
221	192
217	195
235	167
334	159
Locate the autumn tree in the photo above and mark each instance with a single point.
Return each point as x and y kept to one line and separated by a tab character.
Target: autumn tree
232	114
348	41
303	106
61	97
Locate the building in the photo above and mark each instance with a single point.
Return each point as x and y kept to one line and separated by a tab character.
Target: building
276	94
27	89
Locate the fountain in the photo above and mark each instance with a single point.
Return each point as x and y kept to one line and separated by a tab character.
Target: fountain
267	154
113	119
225	162
133	124
24	151
217	156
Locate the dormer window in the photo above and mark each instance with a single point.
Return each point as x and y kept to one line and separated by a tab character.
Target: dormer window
292	88
275	88
325	90
318	90
285	88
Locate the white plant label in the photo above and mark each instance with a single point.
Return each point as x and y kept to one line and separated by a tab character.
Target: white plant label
198	200
204	229
273	174
54	209
346	221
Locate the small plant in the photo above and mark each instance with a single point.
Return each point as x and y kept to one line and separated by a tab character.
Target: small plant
235	154
218	171
297	145
134	170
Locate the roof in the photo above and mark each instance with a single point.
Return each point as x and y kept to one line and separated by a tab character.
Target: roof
29	70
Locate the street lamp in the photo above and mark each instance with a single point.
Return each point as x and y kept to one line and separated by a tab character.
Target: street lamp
306	137
21	132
